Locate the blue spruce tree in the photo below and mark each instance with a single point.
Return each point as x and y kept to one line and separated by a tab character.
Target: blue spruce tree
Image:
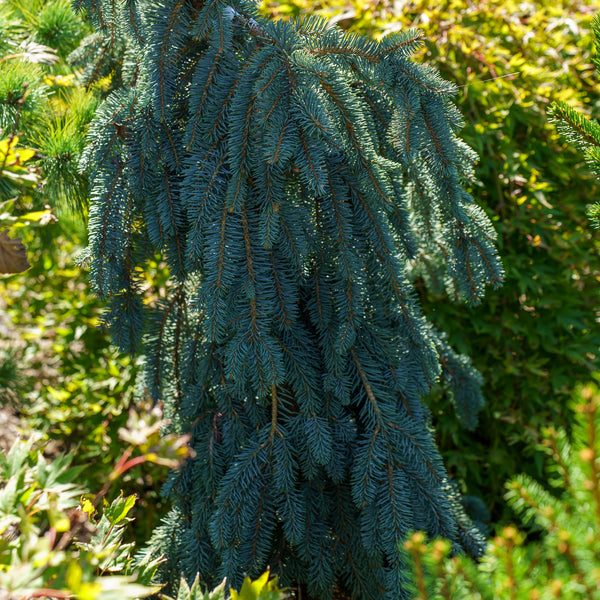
297	180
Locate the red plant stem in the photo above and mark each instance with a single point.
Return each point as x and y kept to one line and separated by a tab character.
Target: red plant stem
138	460
117	471
52	537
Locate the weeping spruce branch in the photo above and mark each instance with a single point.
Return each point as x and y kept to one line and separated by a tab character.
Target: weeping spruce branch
580	130
297	180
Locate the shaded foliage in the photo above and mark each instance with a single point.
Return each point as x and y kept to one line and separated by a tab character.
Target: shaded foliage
563	560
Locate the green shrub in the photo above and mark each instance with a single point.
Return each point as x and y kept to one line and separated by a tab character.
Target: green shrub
563	558
59	541
50	546
57	369
57	26
534	339
262	588
40	99
39	143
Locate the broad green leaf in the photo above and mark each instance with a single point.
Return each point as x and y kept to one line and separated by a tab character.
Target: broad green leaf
17	456
219	592
21	176
119	509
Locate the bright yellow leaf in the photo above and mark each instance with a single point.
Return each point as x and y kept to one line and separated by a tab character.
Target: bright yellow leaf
87	507
89	590
60	395
6	145
20	156
73	577
61	80
251	589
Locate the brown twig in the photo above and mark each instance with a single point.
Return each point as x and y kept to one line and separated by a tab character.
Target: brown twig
273	410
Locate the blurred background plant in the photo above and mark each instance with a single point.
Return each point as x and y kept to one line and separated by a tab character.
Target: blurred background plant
263	588
59	541
537	337
563	561
58	372
581	131
41	103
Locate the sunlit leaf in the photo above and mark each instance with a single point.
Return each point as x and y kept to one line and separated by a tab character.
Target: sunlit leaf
61	80
7	144
251	590
119	509
87	507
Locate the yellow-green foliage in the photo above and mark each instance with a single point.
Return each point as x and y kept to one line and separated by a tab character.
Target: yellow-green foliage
59	541
581	131
41	101
263	588
537	336
563	562
40	524
57	368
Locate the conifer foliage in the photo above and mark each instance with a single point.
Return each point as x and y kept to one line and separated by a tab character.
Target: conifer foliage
581	131
295	179
563	558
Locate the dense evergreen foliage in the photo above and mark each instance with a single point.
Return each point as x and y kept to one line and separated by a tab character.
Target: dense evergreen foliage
581	131
537	337
563	558
58	371
296	179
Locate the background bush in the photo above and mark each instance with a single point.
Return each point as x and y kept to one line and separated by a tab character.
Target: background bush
58	371
40	99
49	546
563	560
59	540
534	339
